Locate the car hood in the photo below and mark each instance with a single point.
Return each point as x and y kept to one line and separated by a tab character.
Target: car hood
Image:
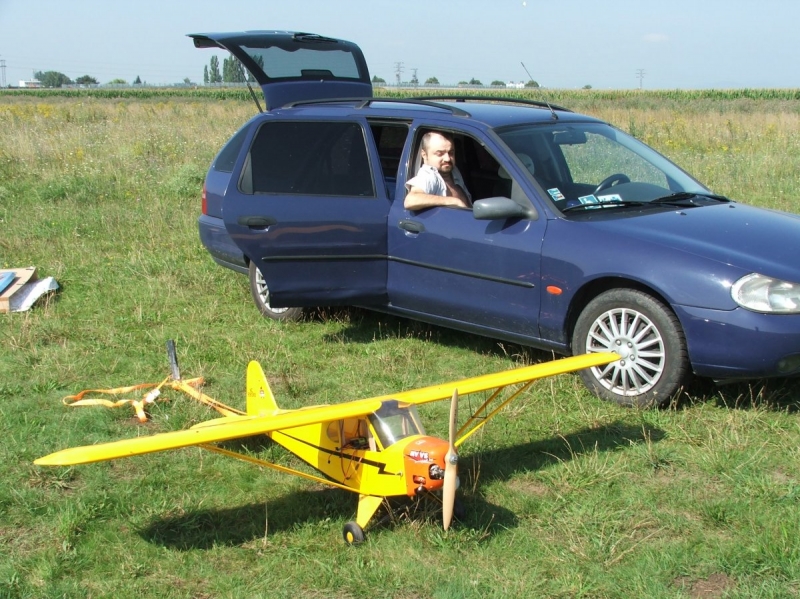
293	66
753	239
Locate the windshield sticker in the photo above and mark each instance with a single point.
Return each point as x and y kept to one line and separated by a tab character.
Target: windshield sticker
590	199
612	197
556	194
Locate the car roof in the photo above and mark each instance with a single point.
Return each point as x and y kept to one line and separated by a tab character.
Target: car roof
494	113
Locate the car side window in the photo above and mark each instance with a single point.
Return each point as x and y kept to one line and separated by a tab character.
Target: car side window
230	152
309	158
483	174
390	139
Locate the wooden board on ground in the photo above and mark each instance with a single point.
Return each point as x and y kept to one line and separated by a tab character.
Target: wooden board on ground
21	277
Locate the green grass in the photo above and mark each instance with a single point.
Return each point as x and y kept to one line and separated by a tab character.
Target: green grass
567	496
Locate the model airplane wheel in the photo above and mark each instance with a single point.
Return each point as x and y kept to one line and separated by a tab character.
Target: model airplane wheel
353	533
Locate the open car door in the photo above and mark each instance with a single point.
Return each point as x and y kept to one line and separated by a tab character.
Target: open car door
304	203
307	211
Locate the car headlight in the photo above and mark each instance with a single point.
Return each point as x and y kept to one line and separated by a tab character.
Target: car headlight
764	294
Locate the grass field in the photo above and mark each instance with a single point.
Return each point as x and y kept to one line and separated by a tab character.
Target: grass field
567	496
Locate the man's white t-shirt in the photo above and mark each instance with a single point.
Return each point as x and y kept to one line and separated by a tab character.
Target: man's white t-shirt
430	181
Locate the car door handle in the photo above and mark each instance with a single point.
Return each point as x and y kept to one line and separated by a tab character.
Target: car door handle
256	221
412	226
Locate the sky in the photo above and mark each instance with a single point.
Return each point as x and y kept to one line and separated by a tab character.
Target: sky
608	44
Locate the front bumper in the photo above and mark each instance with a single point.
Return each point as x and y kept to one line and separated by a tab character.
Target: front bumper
739	344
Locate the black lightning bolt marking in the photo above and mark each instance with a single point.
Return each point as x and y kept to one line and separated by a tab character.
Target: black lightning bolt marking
381	466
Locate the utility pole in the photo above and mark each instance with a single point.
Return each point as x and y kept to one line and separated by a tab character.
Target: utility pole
414	80
2	72
640	75
398	69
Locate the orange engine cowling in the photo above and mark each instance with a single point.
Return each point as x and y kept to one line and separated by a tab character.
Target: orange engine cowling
424	464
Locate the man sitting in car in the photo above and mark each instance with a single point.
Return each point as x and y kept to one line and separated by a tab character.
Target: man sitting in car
438	182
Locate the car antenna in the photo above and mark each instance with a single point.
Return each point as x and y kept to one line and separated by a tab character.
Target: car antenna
552	112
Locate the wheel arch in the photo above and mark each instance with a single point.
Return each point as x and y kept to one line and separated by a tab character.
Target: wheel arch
593	288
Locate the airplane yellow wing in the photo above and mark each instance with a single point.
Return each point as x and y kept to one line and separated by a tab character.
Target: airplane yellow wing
501	379
235	426
221	429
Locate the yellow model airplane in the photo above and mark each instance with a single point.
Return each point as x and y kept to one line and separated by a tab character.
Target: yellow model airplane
375	447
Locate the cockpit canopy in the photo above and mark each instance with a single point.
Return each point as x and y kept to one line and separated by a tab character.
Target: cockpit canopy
395	421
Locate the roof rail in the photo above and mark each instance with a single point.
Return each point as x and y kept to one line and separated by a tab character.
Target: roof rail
364	102
465	98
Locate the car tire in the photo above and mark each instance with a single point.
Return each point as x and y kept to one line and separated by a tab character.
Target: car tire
648	335
260	293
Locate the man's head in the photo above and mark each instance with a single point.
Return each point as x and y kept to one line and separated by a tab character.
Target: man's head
438	151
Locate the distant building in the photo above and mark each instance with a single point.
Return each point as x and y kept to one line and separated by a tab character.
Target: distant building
519	85
32	83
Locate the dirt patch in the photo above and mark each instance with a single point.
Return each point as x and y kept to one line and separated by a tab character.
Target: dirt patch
529	487
705	588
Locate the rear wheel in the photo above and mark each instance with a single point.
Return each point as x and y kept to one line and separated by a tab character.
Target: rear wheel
648	336
260	293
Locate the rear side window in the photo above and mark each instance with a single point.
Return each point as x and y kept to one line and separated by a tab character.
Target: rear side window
310	158
230	152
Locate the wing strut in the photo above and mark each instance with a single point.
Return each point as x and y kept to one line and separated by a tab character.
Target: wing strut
485	406
266	464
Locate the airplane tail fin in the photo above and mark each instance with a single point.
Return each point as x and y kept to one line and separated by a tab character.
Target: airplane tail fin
259	396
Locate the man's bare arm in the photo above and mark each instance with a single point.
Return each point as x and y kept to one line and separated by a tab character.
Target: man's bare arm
417	199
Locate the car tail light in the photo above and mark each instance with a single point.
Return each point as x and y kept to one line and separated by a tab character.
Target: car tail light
204	200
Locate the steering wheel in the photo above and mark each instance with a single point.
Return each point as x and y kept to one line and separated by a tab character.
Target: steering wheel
612	180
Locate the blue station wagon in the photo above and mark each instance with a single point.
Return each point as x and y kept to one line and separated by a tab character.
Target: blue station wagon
580	238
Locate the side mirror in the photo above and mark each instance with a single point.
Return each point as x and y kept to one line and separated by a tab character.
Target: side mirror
501	208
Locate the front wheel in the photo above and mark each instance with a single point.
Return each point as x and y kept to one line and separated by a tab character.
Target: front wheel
647	334
260	293
353	534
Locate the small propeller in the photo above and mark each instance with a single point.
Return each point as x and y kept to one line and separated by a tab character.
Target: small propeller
450	467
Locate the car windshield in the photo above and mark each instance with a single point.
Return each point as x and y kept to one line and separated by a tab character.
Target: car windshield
395	421
583	166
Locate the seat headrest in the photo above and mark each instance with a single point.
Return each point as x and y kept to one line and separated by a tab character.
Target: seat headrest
527	162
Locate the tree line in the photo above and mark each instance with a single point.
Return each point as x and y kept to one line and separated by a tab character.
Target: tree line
435	81
57	79
232	71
